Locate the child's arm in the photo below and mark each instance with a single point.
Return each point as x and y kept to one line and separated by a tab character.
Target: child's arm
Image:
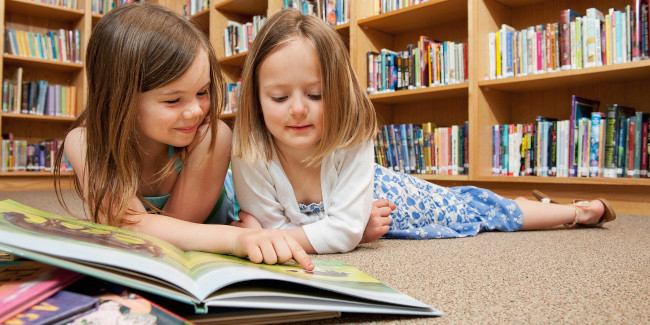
263	191
246	220
200	182
259	245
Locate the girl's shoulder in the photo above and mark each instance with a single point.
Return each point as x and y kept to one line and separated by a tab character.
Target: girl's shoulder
76	137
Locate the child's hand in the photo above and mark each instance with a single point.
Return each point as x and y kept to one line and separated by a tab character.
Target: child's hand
270	246
379	222
246	220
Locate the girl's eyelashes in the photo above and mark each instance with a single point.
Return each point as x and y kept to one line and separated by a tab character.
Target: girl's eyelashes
315	96
174	101
279	99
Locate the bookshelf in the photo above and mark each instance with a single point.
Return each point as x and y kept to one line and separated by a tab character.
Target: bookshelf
480	101
39	18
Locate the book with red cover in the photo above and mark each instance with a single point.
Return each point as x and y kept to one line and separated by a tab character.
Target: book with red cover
26	283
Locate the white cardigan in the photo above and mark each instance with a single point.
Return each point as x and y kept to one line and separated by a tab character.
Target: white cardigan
264	191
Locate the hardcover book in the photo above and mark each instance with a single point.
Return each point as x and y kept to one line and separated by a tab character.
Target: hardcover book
581	108
205	280
26	283
60	308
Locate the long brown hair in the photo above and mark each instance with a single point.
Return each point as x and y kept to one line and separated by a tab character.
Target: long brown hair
349	116
132	49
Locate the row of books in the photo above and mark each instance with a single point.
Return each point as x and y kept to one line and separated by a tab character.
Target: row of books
104	6
18	155
193	7
574	42
604	144
423	148
38	98
238	37
232	97
384	6
334	12
37	293
430	63
59	45
71	4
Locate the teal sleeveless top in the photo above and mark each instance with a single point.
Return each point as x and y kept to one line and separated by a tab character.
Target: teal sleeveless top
225	210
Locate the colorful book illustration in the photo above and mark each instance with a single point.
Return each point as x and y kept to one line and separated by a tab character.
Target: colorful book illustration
127	308
205	280
26	283
62	307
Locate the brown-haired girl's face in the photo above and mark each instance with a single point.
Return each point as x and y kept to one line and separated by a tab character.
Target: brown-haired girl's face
290	94
170	115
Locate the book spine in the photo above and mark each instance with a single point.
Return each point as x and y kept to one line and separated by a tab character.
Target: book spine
594	144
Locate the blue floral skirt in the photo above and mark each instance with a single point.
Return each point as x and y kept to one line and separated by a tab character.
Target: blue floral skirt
426	210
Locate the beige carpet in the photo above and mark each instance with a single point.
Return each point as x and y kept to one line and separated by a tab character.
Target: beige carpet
579	276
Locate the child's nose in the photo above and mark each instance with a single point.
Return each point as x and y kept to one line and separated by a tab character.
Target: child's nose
192	110
298	106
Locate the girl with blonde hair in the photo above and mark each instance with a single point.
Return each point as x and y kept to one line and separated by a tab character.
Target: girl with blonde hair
303	157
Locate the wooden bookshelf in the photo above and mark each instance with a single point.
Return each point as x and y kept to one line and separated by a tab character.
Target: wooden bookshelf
37	17
480	101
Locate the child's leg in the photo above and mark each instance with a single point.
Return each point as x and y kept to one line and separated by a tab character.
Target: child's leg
538	215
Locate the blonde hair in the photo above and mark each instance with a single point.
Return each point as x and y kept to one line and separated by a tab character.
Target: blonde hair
348	117
133	49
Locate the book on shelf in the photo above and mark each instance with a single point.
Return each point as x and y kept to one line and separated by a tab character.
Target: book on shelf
25	283
617	117
566	17
206	281
581	109
61	308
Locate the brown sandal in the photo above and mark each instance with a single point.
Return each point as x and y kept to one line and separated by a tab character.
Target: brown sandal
608	215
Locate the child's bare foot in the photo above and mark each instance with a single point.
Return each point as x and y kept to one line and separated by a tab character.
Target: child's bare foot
590	213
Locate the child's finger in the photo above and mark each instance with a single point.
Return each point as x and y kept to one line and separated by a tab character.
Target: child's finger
254	254
268	253
380	203
299	254
282	250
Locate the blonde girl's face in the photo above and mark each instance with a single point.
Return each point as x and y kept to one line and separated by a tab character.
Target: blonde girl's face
290	94
170	115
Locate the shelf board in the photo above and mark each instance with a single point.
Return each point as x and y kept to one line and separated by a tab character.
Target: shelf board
243	7
41	63
95	18
36	9
452	178
567	180
47	118
32	174
639	70
202	20
438	12
421	94
517	3
236	60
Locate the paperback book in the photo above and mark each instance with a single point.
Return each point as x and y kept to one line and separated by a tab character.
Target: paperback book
205	280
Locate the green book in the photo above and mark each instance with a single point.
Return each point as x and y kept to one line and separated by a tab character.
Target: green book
205	280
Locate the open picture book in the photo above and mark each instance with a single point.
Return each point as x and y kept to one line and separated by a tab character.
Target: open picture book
205	280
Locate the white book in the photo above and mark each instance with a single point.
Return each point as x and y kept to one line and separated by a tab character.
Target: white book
492	55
